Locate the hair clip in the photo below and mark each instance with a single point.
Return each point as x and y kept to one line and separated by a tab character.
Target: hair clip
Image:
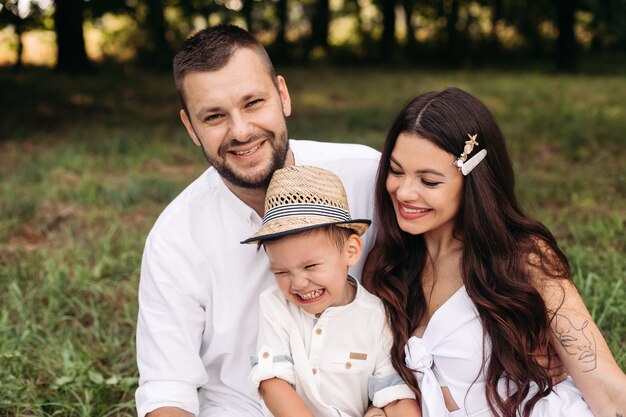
464	165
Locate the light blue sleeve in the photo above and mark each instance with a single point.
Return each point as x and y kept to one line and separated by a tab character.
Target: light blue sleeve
384	389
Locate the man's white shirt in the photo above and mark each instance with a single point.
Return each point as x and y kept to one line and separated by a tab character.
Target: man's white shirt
199	288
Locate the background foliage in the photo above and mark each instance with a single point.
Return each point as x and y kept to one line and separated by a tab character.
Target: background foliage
92	152
89	161
446	32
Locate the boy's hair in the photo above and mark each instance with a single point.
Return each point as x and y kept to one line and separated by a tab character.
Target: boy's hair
336	235
211	49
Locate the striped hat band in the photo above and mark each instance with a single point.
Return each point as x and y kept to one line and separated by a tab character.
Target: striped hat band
301	198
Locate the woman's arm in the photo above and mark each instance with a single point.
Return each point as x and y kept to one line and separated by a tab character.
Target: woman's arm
282	400
583	350
403	408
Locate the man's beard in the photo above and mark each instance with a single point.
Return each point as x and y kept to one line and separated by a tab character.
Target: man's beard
280	148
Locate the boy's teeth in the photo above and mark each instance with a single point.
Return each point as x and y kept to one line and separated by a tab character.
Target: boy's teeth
311	295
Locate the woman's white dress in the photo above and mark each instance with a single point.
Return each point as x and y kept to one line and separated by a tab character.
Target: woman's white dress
450	354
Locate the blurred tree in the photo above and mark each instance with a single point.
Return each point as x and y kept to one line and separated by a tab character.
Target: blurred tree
354	8
23	19
97	8
566	48
157	52
608	24
247	14
280	49
320	21
409	7
527	17
454	37
457	31
496	15
388	41
68	26
195	9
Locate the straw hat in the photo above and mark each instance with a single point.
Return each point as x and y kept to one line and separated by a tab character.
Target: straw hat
301	198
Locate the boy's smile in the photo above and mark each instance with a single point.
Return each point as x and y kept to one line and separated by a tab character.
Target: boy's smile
312	295
311	271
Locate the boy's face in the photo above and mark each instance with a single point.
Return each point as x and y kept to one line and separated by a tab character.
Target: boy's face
311	271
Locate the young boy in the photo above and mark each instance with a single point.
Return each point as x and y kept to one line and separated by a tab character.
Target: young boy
323	345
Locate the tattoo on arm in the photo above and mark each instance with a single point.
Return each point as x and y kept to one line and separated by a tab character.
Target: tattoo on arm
576	340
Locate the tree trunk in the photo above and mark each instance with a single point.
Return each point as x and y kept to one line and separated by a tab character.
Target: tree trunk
496	15
320	22
388	41
411	44
20	46
68	26
280	49
247	14
158	51
566	56
528	18
452	19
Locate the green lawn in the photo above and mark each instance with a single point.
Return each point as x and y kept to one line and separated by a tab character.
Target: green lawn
89	162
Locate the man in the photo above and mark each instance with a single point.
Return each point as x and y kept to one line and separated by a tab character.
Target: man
199	287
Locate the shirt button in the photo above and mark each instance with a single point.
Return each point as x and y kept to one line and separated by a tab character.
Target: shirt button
266	355
314	371
348	365
318	331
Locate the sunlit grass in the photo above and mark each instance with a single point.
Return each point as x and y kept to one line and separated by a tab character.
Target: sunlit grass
89	162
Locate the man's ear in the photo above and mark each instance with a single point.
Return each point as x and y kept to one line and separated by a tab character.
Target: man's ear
284	95
192	133
353	247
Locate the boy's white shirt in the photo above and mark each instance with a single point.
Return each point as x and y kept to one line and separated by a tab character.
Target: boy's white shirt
333	355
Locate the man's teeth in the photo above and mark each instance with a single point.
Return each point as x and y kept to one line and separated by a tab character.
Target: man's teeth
248	152
312	294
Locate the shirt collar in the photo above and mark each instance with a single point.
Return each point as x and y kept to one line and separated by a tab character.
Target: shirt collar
241	209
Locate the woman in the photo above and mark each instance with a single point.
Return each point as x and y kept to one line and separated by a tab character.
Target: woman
471	285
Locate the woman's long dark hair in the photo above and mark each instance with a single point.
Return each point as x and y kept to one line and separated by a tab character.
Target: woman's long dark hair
499	243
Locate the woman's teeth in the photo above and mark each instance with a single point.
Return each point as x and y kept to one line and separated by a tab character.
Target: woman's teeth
408	210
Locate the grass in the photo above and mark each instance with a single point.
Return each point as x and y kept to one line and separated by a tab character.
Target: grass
88	163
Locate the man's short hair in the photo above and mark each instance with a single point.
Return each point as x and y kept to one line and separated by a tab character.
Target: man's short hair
210	50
